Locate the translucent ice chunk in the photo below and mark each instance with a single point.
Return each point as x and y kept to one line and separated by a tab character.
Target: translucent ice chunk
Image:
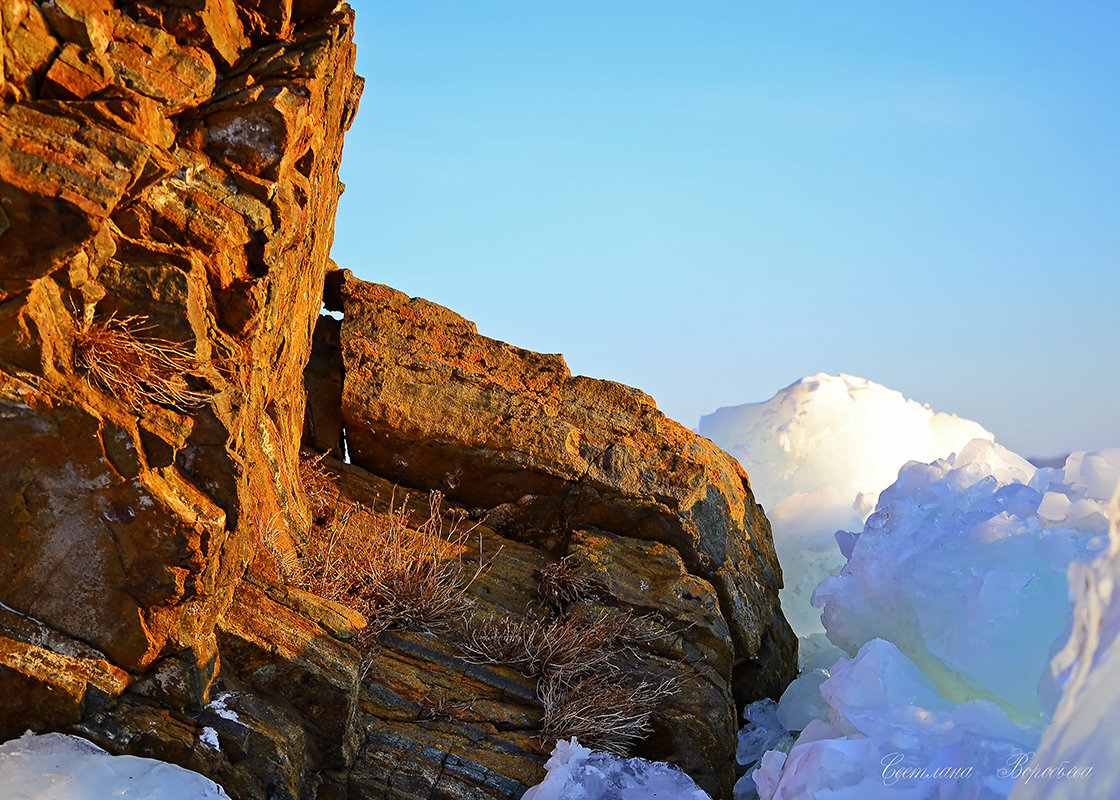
576	773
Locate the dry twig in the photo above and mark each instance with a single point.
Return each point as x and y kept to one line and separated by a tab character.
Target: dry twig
318	486
573	645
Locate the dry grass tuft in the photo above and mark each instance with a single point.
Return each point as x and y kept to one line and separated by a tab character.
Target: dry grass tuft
604	712
561	584
539	647
578	660
397	576
136	368
574	644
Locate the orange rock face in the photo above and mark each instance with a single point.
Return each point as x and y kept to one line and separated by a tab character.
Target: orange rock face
168	184
575	466
429	403
177	163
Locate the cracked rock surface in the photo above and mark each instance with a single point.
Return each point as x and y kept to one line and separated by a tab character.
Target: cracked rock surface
178	161
429	403
568	465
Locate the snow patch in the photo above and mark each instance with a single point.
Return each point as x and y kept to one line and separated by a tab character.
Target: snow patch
209	737
218	706
54	766
577	773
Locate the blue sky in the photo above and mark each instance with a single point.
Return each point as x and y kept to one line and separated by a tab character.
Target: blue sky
711	200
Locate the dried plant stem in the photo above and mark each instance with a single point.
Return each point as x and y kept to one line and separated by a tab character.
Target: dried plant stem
397	576
136	368
318	486
604	712
538	647
576	658
562	584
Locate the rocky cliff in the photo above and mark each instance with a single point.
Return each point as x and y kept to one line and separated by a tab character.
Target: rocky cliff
168	181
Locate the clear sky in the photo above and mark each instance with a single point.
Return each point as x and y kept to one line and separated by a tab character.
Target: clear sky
711	200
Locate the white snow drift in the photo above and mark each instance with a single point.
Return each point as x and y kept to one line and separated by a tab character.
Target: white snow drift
818	453
952	599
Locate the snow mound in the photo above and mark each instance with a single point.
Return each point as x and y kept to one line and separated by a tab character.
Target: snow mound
846	432
576	773
54	766
818	454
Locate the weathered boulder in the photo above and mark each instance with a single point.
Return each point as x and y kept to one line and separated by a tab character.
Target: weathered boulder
266	732
659	517
49	677
429	403
420	696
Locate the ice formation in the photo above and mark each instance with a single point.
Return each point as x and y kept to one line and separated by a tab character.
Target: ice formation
963	570
576	773
54	766
1077	756
890	733
818	453
763	733
953	599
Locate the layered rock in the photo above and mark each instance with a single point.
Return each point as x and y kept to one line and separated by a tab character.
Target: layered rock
168	181
429	403
176	162
659	518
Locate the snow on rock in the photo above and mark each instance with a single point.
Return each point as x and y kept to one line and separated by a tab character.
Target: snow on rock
219	707
1077	756
54	766
963	572
209	737
818	453
576	773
